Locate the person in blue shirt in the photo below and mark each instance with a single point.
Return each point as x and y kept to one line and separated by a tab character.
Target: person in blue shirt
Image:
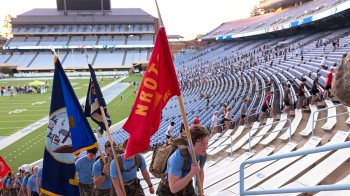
100	172
23	189
178	180
243	112
10	182
128	169
16	185
4	182
31	184
38	180
83	167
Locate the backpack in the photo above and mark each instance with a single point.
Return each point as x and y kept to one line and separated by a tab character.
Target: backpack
162	153
137	164
120	161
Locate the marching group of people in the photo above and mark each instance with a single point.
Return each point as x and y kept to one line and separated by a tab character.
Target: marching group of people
99	177
24	183
25	89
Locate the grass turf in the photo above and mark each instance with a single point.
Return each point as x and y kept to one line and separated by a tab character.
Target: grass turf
31	147
22	110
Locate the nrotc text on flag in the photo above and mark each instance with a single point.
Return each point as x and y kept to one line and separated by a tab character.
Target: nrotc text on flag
149	92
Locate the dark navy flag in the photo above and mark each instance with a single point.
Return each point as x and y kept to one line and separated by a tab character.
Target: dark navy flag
68	133
94	99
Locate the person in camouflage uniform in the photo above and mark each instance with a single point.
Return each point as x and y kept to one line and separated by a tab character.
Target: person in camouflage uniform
100	172
128	168
134	188
83	168
163	189
180	170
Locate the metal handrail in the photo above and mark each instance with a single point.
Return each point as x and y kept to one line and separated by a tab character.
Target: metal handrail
323	109
333	187
289	128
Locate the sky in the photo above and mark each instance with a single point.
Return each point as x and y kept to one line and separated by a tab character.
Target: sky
181	17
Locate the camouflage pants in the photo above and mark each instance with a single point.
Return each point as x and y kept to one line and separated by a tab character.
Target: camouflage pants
86	190
134	188
164	190
104	192
13	192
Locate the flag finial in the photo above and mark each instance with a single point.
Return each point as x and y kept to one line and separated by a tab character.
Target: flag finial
54	51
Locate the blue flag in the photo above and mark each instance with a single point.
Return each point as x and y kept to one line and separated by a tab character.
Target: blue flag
68	133
94	100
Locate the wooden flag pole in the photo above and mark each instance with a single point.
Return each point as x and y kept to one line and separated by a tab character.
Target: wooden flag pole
184	118
189	140
101	154
159	15
113	150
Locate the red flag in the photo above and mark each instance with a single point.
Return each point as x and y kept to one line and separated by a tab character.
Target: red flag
4	170
159	84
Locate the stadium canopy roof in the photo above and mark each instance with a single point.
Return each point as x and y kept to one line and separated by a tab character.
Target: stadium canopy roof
273	4
175	37
46	16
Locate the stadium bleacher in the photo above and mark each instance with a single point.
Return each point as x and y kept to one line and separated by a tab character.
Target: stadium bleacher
229	72
36	32
214	71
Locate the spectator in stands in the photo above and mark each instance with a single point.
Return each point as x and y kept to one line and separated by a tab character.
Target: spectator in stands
266	107
243	112
328	83
314	90
324	63
301	94
182	128
286	99
207	99
334	44
129	175
214	121
100	173
228	117
224	105
268	81
169	133
83	167
338	43
31	185
323	41
196	120
179	181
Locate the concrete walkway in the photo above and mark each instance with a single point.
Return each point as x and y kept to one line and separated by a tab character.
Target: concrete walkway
110	92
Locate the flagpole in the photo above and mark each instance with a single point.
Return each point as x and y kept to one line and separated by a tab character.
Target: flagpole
184	118
101	154
115	155
159	15
189	141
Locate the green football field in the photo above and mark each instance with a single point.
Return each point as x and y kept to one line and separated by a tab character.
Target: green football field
31	147
22	110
